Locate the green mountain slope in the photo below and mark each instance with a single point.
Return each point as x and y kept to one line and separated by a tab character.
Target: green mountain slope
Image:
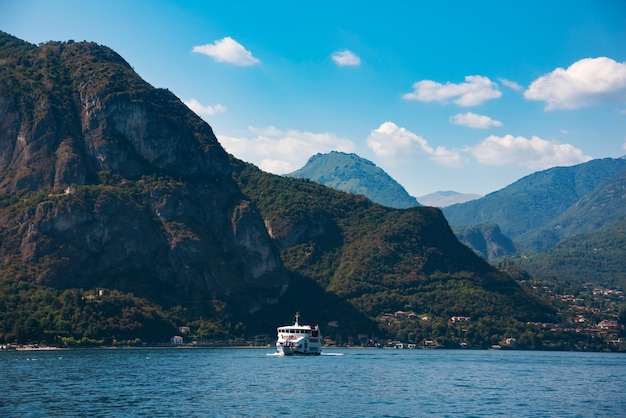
353	174
380	259
604	206
536	200
598	258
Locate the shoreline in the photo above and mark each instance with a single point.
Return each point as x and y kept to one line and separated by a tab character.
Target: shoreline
3	348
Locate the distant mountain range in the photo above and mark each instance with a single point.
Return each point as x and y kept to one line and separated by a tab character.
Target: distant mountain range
541	209
443	199
538	199
602	207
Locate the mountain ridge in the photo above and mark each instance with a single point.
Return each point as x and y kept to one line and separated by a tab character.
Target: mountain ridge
602	207
535	200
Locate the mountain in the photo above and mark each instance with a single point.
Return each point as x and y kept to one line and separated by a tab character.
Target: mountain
107	182
122	217
535	201
353	174
446	198
380	259
604	206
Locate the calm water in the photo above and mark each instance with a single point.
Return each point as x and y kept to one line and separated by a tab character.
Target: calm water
342	382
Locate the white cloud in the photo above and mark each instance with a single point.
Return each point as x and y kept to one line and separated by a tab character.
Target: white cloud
227	50
474	91
280	152
473	120
624	144
201	110
346	58
584	83
510	84
534	153
391	141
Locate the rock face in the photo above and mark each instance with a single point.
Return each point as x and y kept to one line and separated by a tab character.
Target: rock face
82	120
133	189
485	239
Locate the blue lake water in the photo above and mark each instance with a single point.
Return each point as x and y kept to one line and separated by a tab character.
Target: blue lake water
342	382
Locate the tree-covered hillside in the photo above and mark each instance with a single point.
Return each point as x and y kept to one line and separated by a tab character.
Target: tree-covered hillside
380	259
604	206
598	258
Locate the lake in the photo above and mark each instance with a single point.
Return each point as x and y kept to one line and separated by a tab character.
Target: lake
341	382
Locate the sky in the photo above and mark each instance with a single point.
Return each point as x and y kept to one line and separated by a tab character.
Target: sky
448	95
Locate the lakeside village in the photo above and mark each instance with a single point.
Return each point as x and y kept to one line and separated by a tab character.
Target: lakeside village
592	312
586	320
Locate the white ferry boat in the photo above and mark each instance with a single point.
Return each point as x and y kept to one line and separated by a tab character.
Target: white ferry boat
299	339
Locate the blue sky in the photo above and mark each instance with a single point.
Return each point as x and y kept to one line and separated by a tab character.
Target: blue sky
463	96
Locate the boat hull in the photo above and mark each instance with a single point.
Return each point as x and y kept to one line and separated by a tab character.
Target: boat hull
286	351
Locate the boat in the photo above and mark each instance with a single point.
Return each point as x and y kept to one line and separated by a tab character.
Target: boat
299	339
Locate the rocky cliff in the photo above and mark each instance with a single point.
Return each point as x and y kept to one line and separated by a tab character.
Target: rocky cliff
120	185
485	239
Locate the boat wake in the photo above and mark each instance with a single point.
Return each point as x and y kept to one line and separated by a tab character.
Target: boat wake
323	354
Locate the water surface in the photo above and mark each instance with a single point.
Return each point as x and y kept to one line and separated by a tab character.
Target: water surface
342	382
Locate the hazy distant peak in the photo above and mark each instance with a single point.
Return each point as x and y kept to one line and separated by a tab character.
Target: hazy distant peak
445	198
